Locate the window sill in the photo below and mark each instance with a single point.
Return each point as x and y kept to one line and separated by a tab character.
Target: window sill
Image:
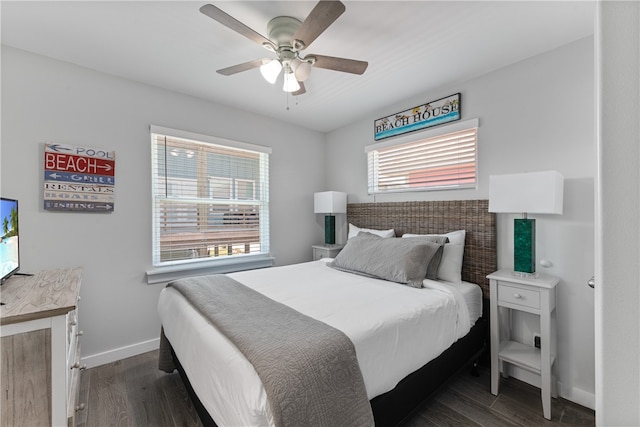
219	266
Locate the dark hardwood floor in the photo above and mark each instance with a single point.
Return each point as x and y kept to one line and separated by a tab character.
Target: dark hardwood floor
133	392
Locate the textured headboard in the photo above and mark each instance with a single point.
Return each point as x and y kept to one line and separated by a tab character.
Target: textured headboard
435	217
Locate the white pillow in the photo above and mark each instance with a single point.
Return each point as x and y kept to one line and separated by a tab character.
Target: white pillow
456	237
450	268
353	232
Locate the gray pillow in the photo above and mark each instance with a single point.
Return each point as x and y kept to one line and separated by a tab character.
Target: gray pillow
434	263
398	260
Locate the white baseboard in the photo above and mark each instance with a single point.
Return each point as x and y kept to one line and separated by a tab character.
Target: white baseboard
94	360
579	396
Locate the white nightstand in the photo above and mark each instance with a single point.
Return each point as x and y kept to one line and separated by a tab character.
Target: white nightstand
326	251
535	295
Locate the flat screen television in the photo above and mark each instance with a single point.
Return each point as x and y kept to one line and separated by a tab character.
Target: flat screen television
9	247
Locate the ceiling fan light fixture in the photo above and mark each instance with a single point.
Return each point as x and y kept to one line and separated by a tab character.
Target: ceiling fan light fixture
271	70
290	83
302	71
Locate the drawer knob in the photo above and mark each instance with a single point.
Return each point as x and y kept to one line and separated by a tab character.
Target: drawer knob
517	296
80	407
75	365
79	334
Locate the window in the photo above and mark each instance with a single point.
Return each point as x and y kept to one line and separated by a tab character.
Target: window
441	159
210	199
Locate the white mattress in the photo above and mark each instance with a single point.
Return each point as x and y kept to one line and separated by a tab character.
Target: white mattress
395	329
472	294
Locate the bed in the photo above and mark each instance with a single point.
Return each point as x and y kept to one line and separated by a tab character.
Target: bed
398	371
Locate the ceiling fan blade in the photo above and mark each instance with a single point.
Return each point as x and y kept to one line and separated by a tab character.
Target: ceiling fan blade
339	64
322	15
301	90
242	67
230	22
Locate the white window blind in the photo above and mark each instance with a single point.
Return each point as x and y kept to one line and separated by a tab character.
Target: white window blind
444	161
210	198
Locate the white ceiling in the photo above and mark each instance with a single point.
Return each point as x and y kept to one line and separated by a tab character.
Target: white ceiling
412	47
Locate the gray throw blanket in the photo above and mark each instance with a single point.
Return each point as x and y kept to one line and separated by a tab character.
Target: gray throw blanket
309	369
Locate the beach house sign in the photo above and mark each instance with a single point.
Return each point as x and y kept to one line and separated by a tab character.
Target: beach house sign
429	114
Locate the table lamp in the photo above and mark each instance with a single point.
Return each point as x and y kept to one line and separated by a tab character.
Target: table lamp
533	192
329	203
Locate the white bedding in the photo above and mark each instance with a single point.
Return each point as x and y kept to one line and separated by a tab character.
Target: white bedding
472	295
395	329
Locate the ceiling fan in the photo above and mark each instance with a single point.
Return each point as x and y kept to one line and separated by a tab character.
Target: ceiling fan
287	38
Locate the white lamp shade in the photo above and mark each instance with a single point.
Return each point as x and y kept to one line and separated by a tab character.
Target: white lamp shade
302	71
330	202
532	192
271	70
290	83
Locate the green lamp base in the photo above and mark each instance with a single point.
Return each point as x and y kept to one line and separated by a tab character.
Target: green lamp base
329	229
524	245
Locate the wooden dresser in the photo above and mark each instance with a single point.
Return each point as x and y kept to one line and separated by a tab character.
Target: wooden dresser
40	370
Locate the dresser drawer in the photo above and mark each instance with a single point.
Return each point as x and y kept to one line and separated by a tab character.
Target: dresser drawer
515	295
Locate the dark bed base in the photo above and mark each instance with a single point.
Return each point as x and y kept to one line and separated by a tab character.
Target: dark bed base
401	403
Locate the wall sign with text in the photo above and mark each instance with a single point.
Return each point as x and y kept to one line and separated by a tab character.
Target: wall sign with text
423	116
78	178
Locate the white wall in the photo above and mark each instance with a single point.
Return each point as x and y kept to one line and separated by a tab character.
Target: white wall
50	101
534	115
618	210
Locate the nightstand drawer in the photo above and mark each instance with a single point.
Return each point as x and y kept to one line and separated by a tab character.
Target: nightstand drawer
323	251
519	296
